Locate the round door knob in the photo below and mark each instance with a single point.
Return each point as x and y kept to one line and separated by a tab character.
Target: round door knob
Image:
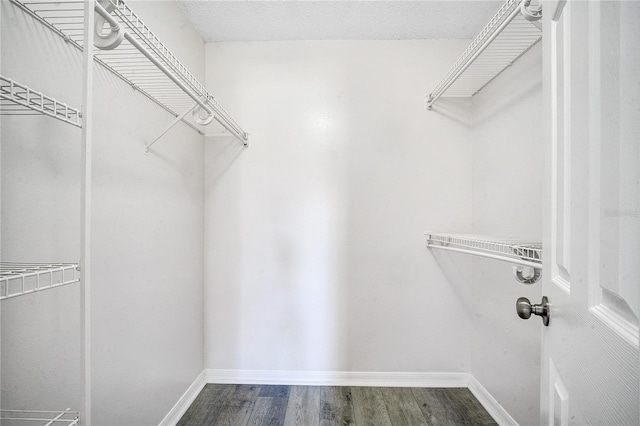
524	309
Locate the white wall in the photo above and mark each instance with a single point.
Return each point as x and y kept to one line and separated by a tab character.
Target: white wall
40	220
147	311
314	245
507	201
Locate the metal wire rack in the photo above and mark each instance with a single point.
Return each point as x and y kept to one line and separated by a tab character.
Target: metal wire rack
519	252
506	37
19	99
141	59
39	418
18	278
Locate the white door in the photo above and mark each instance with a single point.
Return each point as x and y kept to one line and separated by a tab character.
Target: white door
591	275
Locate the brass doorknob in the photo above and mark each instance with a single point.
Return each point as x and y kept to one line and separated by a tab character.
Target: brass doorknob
524	309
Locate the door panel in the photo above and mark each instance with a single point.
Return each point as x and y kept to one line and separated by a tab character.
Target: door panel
615	154
590	356
561	148
559	397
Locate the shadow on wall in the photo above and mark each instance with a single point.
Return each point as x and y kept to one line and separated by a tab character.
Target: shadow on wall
525	86
454	109
223	152
460	277
223	238
313	236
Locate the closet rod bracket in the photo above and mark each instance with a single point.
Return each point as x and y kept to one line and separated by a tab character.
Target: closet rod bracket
116	33
531	276
530	11
169	127
430	101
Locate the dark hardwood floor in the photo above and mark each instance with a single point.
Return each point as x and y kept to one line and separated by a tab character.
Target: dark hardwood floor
331	405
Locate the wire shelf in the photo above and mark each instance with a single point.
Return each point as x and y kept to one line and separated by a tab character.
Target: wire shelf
18	278
39	418
19	99
519	252
506	37
66	18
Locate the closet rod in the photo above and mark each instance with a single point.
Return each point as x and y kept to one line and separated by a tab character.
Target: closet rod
115	24
511	260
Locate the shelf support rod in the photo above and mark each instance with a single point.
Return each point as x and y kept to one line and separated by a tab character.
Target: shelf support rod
169	127
241	137
113	22
85	208
433	98
488	255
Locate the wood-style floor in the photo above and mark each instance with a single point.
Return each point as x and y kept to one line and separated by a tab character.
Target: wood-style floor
239	405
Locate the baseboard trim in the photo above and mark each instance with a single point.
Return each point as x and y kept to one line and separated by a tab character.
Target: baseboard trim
339	378
185	401
493	407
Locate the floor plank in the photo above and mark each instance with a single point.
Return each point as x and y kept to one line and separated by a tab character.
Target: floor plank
239	406
470	408
275	391
451	407
259	413
304	406
336	406
402	407
435	407
207	406
369	407
270	407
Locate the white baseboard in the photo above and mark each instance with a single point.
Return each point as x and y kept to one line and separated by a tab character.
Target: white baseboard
339	378
185	401
493	407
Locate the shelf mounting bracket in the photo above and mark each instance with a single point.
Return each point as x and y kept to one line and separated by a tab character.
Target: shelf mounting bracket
169	127
532	277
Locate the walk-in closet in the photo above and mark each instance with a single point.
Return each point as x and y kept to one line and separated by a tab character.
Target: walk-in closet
312	212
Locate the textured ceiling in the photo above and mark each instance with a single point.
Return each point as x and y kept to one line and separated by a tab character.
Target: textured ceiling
337	20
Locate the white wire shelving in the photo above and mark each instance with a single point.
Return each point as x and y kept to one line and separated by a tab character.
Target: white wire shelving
19	99
17	279
140	59
511	32
39	418
519	252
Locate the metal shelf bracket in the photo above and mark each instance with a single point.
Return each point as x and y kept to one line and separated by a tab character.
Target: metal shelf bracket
169	127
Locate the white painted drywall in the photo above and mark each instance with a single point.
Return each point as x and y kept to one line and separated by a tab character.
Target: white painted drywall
147	311
507	201
40	221
314	245
147	335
